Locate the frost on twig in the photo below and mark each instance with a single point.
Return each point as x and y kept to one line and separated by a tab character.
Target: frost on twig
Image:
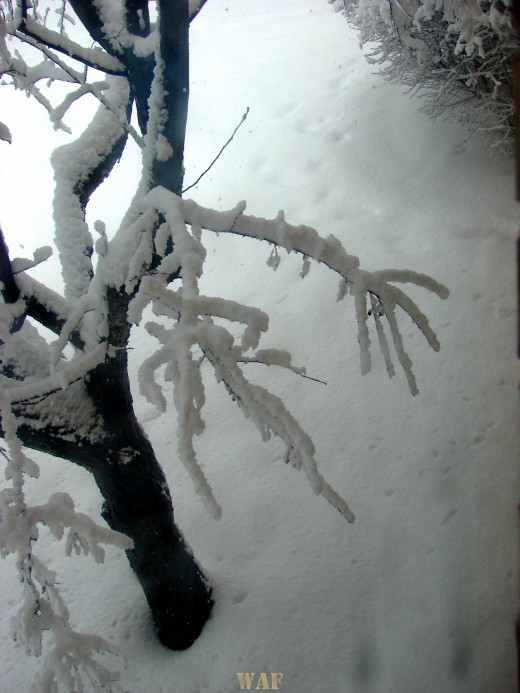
196	327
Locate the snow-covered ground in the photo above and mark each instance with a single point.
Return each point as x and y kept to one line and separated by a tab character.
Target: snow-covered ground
420	594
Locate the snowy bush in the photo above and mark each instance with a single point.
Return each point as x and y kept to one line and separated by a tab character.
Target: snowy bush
456	55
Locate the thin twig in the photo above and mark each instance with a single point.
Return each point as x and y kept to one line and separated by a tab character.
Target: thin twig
289	368
218	155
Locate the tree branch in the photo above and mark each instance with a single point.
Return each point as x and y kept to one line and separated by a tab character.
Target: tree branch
95	58
92	179
58	441
139	69
47	307
330	252
88	14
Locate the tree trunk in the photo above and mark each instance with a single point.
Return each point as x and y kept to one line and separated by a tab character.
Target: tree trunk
137	502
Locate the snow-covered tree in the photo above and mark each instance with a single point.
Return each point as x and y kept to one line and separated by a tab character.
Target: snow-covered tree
457	55
70	396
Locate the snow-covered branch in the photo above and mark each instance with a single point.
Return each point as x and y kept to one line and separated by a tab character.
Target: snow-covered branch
194	329
329	251
68	373
76	165
46	41
47	307
93	57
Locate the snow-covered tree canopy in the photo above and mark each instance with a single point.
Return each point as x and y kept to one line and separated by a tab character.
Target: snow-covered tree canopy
457	55
71	396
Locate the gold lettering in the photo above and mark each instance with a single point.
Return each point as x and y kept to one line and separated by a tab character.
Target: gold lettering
245	680
276	677
263	683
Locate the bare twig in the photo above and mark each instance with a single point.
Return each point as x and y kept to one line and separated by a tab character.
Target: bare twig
298	371
244	116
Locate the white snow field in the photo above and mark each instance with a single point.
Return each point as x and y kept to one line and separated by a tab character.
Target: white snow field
419	595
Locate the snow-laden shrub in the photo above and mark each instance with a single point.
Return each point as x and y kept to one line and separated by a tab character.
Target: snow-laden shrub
456	54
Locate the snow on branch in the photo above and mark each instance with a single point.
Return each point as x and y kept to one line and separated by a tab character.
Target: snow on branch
93	57
95	88
22	264
329	251
194	330
73	164
271	417
25	78
43	304
53	68
31	368
85	88
68	372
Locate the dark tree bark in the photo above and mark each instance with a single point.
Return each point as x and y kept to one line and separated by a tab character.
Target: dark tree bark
136	497
137	501
175	58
